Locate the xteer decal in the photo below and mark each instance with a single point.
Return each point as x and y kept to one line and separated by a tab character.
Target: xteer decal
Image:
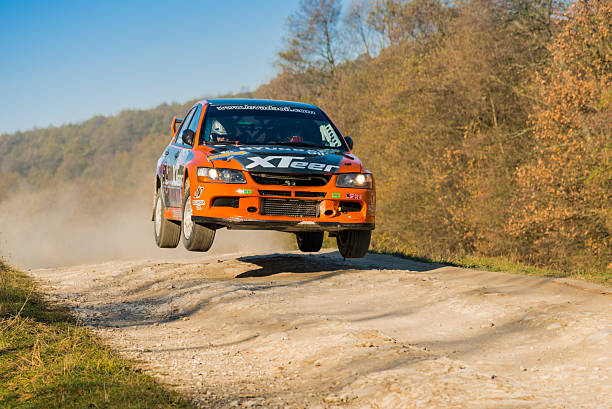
289	162
279	159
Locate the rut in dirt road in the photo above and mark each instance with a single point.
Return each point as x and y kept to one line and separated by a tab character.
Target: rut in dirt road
293	330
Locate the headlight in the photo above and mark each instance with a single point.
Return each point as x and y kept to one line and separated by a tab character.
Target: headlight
356	180
220	175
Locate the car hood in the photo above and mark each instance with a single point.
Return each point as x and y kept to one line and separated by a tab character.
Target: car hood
285	159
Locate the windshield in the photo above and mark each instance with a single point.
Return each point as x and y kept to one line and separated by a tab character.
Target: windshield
269	125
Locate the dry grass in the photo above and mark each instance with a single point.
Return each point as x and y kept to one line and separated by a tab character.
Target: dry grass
47	360
506	266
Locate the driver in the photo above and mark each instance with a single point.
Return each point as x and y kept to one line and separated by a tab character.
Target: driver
218	132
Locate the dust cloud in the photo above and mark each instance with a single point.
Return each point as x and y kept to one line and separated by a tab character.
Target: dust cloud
59	228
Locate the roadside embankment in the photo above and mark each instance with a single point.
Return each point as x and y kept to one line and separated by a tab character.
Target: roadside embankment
48	360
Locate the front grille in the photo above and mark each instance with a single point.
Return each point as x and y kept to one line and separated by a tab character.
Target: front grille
226	202
275	193
309	194
289	207
280	179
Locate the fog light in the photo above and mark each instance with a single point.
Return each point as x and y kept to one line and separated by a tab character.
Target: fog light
251	209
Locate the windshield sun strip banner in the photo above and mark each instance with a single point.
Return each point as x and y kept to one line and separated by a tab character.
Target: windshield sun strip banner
264	108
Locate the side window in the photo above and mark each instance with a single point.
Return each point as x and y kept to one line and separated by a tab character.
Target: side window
195	120
205	132
193	125
179	134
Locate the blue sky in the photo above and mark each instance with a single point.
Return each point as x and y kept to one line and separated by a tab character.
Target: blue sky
65	61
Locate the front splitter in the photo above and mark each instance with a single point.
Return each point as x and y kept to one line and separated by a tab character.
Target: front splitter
279	225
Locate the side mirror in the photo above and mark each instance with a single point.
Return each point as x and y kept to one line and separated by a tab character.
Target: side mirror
188	137
175	123
349	142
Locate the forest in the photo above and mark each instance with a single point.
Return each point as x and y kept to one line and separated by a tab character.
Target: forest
486	123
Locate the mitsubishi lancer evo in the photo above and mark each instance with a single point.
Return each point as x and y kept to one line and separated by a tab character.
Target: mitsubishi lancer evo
262	165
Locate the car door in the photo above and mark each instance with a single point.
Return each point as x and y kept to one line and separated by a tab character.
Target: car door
164	174
175	179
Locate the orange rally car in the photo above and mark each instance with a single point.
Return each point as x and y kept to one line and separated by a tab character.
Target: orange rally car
261	164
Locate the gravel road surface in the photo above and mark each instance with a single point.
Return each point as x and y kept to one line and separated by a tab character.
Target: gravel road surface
315	331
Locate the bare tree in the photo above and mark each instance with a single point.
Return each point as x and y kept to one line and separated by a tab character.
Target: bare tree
385	18
397	20
357	29
313	40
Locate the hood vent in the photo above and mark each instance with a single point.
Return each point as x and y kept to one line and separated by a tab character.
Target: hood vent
275	192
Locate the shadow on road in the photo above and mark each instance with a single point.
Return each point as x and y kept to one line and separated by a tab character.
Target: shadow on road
272	264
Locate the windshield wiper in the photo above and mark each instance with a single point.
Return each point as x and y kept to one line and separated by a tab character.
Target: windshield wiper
224	143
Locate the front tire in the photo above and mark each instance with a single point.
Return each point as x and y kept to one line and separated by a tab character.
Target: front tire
309	242
353	243
167	233
195	237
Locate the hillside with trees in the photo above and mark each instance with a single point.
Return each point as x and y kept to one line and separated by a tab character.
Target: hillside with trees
487	125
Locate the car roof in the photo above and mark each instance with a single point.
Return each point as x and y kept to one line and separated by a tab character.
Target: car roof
248	101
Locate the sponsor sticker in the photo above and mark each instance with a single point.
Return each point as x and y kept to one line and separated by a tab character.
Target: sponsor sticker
356	196
283	149
198	203
264	108
244	191
176	213
182	155
294	162
227	155
336	195
198	192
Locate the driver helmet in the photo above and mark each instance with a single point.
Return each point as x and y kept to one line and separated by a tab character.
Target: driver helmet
217	128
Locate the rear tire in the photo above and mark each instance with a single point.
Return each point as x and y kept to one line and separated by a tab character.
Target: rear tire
309	242
353	243
195	237
167	233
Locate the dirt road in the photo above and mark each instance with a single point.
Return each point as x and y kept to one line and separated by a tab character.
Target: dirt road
292	330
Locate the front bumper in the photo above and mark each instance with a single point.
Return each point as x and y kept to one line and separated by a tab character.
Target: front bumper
336	208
